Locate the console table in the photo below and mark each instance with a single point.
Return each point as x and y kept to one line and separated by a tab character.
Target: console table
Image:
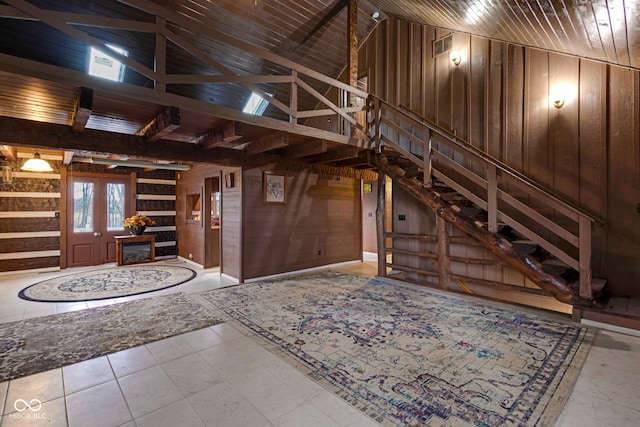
135	249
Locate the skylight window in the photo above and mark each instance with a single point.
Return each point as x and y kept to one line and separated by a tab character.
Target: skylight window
255	105
103	65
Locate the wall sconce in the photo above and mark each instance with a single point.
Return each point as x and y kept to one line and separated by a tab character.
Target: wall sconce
7	174
36	164
558	103
455	58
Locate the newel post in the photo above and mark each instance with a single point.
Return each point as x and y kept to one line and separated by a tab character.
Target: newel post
585	257
380	225
492	197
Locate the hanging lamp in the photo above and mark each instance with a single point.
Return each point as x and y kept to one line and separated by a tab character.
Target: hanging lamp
36	164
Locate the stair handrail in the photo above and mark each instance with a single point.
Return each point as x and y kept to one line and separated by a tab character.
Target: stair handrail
581	241
462	143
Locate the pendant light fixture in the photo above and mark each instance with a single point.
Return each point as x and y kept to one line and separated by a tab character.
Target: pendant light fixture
36	164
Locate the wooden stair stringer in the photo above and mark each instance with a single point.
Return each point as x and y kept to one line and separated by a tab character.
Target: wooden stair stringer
496	244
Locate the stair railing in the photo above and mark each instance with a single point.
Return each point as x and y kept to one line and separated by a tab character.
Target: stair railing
508	197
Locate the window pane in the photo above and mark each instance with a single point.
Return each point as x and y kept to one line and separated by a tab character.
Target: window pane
82	207
115	207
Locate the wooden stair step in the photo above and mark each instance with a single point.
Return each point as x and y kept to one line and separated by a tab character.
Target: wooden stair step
525	246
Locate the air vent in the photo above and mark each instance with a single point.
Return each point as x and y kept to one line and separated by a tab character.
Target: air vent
442	45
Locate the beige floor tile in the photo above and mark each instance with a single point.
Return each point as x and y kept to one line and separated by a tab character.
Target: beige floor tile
99	406
148	390
51	414
176	414
86	374
44	387
192	374
131	360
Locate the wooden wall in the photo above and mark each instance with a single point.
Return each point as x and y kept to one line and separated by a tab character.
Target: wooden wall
320	224
192	233
500	100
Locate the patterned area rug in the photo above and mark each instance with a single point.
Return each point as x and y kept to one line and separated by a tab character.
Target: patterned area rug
36	345
107	283
408	356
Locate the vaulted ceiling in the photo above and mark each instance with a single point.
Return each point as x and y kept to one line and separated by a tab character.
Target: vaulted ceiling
267	37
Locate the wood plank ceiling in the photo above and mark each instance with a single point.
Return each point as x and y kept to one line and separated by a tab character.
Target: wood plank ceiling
312	33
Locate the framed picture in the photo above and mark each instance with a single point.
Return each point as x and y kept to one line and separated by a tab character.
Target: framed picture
274	188
229	180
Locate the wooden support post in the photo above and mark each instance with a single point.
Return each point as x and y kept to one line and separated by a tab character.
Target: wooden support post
160	66
293	118
426	157
380	227
585	257
444	262
352	49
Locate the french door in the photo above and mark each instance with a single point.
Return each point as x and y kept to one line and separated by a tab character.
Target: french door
96	208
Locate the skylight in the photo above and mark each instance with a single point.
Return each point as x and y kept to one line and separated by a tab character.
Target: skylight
255	105
103	65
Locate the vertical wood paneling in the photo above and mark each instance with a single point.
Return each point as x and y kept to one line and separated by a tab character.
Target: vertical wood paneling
494	105
460	86
623	182
479	53
536	150
593	152
563	125
515	68
429	75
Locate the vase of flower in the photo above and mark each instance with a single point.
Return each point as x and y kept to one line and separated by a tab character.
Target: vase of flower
137	224
137	230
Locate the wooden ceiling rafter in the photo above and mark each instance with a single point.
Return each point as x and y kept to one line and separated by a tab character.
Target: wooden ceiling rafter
309	148
161	125
266	143
82	110
225	134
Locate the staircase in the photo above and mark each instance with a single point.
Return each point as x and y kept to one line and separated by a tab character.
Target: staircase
520	223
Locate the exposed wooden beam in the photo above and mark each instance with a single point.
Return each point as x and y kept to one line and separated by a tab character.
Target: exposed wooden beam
268	142
68	157
341	153
82	110
28	133
228	132
9	153
162	125
311	148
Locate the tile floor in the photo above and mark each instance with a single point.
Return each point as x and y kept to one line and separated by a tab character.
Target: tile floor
218	377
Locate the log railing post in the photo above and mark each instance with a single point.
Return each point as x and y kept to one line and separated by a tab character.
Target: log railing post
492	197
380	225
426	155
294	98
444	263
585	257
377	119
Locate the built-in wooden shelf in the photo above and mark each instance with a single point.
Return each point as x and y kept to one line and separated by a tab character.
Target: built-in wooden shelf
135	249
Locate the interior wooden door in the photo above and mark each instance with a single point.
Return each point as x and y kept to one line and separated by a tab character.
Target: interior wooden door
97	207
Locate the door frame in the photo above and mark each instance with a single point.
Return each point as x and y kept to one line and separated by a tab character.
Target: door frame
66	177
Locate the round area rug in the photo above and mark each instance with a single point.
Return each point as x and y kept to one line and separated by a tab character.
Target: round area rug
107	283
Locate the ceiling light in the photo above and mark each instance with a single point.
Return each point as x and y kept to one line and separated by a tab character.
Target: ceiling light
375	15
36	164
139	164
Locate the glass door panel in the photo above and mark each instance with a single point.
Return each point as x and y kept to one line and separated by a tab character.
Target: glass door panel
83	201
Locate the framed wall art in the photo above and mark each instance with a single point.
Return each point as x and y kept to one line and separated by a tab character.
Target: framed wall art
274	188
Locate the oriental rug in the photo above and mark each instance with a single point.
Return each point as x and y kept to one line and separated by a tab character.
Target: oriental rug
39	344
107	283
409	356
